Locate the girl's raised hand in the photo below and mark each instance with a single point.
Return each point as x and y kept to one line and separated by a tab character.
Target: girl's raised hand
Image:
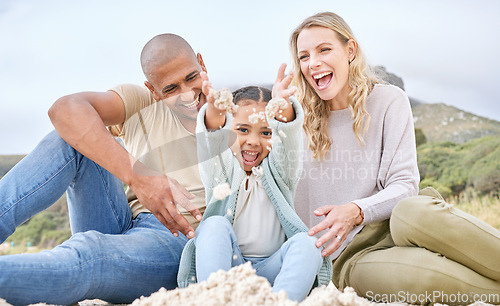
206	86
215	118
280	87
281	91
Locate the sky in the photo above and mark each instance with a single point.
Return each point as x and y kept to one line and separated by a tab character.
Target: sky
445	51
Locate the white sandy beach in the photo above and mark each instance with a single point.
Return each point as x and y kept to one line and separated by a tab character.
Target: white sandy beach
241	286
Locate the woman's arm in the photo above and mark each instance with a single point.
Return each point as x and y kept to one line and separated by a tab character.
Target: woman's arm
397	179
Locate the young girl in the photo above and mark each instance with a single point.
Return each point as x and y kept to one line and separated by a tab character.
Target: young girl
256	222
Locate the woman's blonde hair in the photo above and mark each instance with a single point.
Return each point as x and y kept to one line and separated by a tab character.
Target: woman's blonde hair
361	80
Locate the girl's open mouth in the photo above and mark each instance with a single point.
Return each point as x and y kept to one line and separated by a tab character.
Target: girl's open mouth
250	158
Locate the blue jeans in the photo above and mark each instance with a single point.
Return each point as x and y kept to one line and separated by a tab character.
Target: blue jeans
110	256
293	268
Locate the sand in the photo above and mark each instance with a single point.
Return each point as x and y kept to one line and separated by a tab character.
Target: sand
241	286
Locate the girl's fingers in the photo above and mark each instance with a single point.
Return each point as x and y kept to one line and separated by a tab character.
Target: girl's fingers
204	76
281	74
287	80
289	92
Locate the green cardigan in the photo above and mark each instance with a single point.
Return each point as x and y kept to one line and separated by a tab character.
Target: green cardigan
281	172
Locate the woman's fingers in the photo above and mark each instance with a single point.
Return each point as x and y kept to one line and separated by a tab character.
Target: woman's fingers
323	210
332	247
326	223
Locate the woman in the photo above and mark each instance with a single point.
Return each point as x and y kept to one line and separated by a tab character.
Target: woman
361	161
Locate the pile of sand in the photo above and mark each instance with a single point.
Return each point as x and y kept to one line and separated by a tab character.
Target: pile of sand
241	286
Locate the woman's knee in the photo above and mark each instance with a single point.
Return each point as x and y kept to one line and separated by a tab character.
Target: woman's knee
414	214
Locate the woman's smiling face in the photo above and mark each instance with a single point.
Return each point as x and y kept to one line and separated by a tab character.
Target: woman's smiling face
324	61
253	138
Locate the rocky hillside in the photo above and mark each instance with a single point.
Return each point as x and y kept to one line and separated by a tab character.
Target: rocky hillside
441	122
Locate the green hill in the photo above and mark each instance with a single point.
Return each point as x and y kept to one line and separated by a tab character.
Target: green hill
452	167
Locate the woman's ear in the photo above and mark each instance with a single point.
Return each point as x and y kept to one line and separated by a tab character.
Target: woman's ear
352	49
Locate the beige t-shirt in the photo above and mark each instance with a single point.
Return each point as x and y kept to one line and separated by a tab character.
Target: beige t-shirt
155	136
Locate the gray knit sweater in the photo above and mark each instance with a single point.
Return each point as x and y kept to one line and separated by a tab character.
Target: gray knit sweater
376	175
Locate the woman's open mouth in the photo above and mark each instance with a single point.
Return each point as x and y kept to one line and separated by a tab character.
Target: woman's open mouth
250	158
322	80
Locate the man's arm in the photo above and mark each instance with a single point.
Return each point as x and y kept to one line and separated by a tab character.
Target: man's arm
81	120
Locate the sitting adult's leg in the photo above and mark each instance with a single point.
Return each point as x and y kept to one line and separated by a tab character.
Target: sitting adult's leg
431	223
115	268
418	276
41	178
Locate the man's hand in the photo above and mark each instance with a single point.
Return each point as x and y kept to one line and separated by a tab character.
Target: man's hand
161	195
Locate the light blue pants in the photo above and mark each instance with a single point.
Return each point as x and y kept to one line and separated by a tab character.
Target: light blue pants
110	256
292	268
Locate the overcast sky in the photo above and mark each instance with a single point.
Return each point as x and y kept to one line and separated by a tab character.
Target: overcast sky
446	51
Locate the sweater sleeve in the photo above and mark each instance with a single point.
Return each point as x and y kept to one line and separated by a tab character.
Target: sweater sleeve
286	152
215	158
398	175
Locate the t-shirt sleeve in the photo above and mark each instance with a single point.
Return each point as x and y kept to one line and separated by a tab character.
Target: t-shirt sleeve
134	98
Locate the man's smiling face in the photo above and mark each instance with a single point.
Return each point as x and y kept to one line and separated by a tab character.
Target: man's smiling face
178	84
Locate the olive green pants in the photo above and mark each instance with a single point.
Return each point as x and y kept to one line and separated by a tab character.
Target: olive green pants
428	252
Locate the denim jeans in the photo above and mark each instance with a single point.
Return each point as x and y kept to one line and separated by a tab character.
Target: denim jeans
110	256
292	268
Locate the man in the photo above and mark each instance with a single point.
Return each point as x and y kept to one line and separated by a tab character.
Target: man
119	250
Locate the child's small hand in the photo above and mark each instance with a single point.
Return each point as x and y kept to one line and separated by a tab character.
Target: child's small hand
214	117
280	87
285	112
206	88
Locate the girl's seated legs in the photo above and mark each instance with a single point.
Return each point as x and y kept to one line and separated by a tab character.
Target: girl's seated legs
292	268
216	247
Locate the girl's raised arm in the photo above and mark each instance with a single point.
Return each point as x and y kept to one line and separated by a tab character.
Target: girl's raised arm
215	118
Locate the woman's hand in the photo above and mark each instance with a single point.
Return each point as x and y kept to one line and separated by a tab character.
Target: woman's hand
339	221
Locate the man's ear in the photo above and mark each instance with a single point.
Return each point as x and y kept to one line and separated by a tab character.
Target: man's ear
200	61
152	90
